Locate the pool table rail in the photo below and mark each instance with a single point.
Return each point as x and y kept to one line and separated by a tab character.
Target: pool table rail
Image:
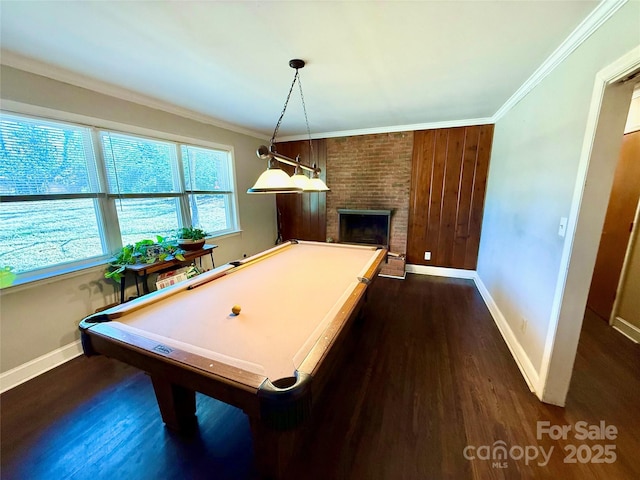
325	342
283	403
91	332
228	384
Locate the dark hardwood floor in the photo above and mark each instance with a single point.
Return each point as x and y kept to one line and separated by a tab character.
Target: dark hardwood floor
426	375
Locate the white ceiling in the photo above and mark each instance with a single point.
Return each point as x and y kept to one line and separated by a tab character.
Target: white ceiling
370	65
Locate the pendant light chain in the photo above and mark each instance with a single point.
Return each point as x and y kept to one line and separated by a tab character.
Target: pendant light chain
275	132
306	119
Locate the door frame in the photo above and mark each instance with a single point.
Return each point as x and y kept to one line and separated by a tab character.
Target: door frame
603	139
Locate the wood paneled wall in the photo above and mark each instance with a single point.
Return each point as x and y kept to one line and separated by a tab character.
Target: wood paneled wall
303	216
446	199
449	174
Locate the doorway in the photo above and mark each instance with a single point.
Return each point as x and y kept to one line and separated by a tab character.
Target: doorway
610	283
610	101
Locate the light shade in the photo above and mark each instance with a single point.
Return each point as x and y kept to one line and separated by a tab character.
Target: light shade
274	180
302	181
316	185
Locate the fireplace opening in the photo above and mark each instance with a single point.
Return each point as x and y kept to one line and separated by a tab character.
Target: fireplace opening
368	227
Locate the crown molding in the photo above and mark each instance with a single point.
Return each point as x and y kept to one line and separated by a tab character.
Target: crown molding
582	32
392	129
36	67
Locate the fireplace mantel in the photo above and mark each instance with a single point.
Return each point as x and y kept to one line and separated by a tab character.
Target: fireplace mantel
364	212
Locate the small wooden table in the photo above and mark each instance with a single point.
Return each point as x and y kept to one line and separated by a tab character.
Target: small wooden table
144	269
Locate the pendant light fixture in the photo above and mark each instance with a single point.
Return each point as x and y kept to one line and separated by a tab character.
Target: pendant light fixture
299	179
316	184
274	179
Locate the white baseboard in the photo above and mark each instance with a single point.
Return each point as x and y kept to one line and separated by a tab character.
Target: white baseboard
27	371
440	271
527	369
627	329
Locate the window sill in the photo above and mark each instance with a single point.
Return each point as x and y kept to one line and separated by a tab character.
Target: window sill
40	279
37	280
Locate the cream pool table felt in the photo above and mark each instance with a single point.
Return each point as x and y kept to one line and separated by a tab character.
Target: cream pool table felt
295	299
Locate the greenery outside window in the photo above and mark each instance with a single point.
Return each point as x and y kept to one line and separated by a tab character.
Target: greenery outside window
209	184
71	195
142	179
49	187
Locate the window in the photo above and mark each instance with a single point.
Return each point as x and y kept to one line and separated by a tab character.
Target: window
71	195
48	176
210	188
142	177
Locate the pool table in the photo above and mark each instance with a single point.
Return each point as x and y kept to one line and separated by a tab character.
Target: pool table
271	360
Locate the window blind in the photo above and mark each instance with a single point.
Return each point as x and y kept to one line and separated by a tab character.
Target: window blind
42	158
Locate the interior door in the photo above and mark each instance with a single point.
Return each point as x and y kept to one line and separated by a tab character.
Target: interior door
617	228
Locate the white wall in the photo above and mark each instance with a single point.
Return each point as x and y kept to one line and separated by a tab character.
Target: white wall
533	173
633	120
38	318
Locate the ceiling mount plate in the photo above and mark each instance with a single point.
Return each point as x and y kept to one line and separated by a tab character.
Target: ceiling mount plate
296	63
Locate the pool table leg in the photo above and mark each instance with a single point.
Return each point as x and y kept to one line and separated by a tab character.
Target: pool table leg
273	449
177	404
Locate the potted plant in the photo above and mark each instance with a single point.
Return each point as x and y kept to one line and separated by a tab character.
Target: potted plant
144	251
191	238
6	276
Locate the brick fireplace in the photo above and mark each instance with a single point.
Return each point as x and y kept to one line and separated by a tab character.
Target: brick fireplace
372	172
448	169
368	227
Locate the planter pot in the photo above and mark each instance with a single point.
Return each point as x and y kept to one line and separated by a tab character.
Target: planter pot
6	277
187	244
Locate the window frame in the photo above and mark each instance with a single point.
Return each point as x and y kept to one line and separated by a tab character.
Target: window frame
105	202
